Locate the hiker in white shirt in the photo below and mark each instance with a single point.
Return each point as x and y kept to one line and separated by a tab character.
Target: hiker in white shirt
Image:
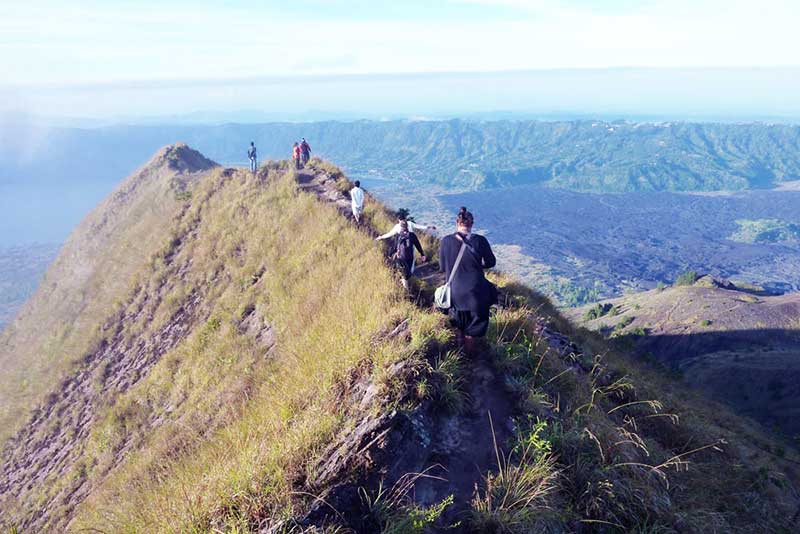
402	223
412	227
357	201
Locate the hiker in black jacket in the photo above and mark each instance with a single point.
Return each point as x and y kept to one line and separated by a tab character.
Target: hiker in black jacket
405	243
252	156
305	151
471	294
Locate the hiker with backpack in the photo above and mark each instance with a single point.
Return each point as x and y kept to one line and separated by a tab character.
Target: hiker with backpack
357	201
296	156
402	218
463	256
305	151
405	243
251	155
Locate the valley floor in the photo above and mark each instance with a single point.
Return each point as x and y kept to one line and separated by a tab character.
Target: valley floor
580	247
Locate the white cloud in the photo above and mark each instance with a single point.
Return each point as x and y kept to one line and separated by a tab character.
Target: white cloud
58	43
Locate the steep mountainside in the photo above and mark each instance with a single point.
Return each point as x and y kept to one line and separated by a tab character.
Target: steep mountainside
579	155
259	369
92	272
739	344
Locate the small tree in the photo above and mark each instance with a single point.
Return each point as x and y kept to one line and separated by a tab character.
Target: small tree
686	279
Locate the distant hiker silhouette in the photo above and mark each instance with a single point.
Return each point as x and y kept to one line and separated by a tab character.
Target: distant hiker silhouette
471	294
405	243
252	156
357	201
296	156
305	151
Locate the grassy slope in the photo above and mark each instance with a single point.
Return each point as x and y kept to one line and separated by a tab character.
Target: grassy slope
739	345
222	428
701	307
603	479
327	304
628	423
92	272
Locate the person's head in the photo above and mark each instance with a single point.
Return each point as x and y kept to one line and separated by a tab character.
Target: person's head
403	226
357	183
252	143
464	221
295	143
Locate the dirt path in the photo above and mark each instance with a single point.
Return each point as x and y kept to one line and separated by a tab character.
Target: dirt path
324	187
458	448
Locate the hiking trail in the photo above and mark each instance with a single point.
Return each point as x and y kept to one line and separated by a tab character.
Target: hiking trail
454	451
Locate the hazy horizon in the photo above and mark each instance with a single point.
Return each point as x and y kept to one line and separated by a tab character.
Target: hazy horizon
128	61
660	93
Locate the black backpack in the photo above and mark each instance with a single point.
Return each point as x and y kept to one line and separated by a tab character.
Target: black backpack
404	247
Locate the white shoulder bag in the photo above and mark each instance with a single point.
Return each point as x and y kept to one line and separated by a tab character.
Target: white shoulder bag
442	295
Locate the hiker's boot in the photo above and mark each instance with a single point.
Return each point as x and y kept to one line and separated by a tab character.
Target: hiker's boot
469	347
459	339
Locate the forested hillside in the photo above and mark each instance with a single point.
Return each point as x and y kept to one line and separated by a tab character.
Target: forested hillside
579	155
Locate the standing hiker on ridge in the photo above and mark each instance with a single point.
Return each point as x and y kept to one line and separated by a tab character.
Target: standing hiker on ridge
305	150
405	243
296	156
471	294
252	156
357	201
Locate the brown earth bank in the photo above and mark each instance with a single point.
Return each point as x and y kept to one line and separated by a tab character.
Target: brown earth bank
233	354
737	343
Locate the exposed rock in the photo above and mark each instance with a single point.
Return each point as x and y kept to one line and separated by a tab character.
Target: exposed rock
255	325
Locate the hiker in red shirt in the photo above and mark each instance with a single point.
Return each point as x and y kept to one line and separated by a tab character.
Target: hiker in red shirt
296	156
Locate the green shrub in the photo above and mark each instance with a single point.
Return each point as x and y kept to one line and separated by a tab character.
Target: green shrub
448	372
600	310
686	279
516	499
639	331
623	324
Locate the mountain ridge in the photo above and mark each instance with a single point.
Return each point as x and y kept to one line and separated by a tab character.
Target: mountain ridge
246	378
72	280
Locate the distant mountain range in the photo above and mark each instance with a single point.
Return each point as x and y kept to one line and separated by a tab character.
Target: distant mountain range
579	155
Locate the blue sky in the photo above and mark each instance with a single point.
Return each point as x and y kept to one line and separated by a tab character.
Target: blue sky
49	49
